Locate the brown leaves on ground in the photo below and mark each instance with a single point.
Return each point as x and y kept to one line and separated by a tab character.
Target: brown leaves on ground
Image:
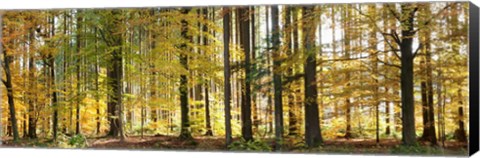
160	142
203	143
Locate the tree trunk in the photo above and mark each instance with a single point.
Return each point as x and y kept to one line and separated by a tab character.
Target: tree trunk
427	87
185	122
208	123
385	16
292	110
460	133
372	44
32	121
79	47
246	112
115	73
313	137
51	60
226	73
408	108
253	13
277	79
347	50
297	84
7	60
97	88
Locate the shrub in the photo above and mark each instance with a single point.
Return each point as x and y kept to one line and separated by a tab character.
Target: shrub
255	145
415	149
78	141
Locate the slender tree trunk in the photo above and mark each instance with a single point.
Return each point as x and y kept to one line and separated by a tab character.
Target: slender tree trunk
11	104
347	49
297	84
385	16
269	97
97	86
226	73
253	13
277	78
246	112
53	85
460	133
7	60
372	44
32	120
292	110
208	124
79	47
426	86
185	122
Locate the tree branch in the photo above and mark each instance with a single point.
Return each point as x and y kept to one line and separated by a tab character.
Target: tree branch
396	54
433	17
393	12
397	40
416	51
344	59
388	64
396	37
102	33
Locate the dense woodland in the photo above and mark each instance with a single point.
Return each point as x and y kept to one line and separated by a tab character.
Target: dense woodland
284	77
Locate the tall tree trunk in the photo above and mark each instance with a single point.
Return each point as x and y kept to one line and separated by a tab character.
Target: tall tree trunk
32	120
79	47
97	88
347	49
334	52
297	84
185	122
246	112
269	97
406	75
385	16
7	60
253	13
277	78
115	73
226	73
427	86
372	44
206	88
460	133
313	135
51	60
292	110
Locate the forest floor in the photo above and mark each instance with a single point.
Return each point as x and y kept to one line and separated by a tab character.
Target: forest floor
202	143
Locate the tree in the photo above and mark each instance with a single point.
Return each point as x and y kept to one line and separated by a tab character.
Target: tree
208	124
183	88
226	74
277	79
113	39
51	64
79	40
313	135
427	84
7	60
348	50
292	120
372	44
244	20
